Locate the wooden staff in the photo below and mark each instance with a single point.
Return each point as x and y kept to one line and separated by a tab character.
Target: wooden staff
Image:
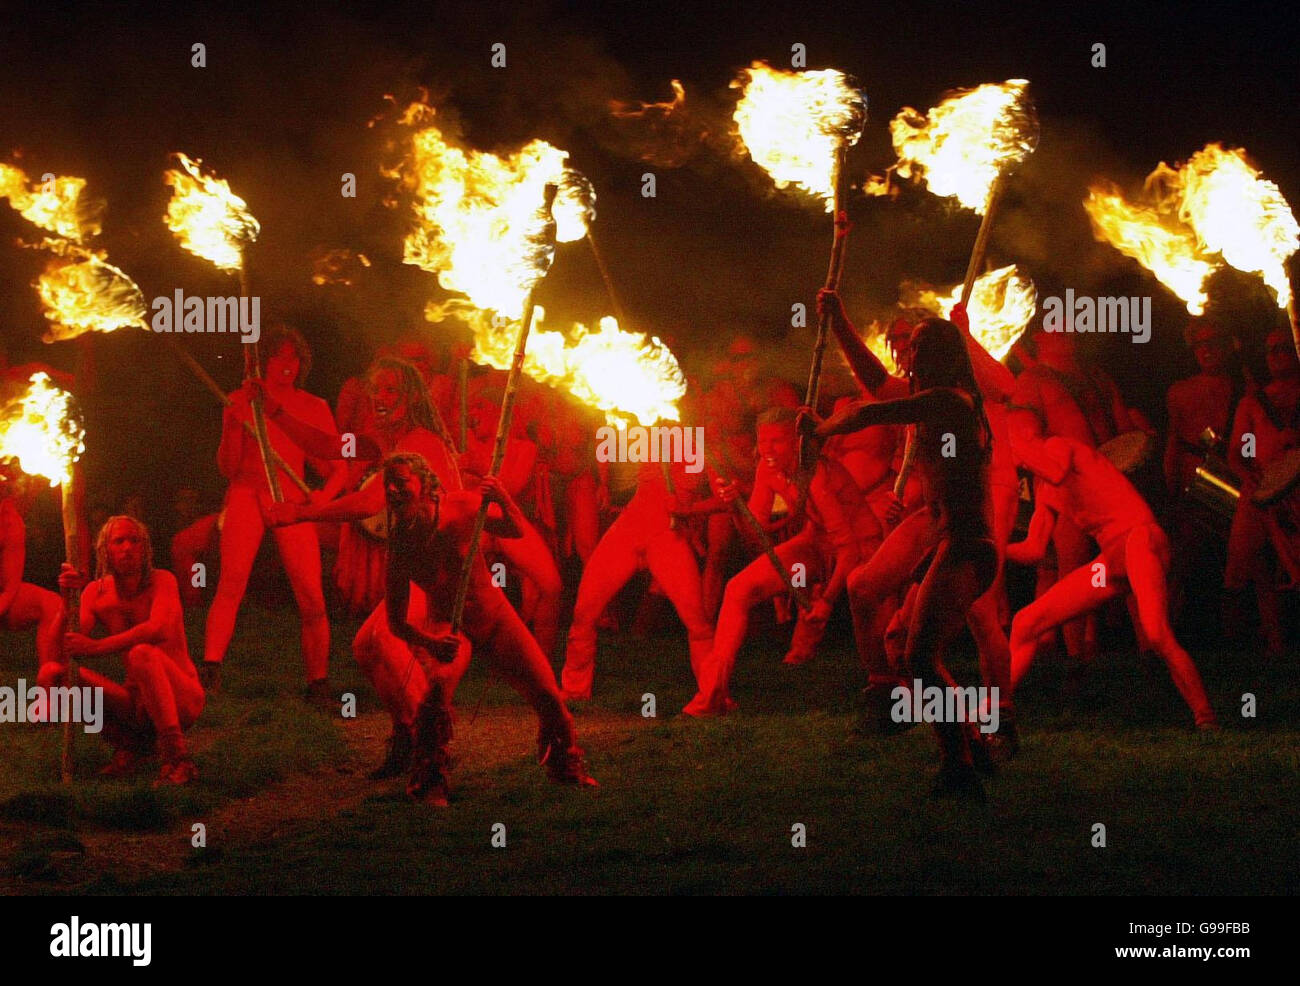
253	371
833	272
503	435
197	369
76	552
977	254
741	509
619	313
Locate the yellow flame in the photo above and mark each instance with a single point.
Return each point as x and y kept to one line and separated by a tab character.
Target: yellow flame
1155	239
791	124
962	145
1238	214
58	208
630	376
1002	304
878	342
39	431
90	296
476	222
209	219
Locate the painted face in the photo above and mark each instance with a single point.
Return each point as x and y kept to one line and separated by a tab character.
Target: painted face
401	488
282	366
1279	352
1210	349
125	548
777	444
388	398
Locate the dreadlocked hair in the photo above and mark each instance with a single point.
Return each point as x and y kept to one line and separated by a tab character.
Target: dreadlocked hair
101	548
419	406
940	359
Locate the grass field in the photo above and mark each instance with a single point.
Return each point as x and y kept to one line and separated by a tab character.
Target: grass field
684	806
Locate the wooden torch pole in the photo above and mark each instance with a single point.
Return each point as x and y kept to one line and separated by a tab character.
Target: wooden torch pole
253	371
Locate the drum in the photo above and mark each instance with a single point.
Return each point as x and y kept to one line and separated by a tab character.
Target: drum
1133	454
1279	479
1211	496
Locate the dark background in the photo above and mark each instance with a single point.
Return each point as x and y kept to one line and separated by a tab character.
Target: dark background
281	111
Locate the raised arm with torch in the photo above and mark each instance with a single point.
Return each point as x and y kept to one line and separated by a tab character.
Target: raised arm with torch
798	126
214	223
41	432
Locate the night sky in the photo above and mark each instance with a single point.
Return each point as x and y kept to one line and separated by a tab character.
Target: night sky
107	91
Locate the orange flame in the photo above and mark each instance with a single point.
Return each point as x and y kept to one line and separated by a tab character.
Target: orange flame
39	431
962	145
1002	303
1238	214
209	219
1153	237
90	296
635	111
59	209
791	123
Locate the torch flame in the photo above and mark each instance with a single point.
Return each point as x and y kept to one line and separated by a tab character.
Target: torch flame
210	220
629	111
1155	239
1002	303
1239	214
40	432
476	215
90	296
791	124
59	209
962	145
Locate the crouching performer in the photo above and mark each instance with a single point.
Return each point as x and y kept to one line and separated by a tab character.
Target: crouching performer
140	606
429	533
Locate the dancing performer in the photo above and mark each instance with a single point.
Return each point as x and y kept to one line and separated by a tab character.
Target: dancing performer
839	532
430	535
1080	484
140	608
954	532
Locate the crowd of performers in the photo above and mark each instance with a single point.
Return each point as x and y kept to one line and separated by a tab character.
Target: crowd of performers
402	466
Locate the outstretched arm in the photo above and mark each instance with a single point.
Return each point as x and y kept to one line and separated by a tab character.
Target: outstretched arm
1033	548
925	406
868	370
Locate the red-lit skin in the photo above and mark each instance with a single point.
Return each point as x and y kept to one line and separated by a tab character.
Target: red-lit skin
957	524
1196	403
731	439
395	432
437	549
647	534
1042	406
240	462
196	541
1253	526
1078	482
840	531
874	602
527	554
583	490
146	625
24	606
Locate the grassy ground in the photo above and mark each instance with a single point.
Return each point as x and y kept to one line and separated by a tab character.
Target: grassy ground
684	806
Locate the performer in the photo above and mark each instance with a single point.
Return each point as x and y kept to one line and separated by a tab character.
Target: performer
839	532
1080	484
1207	400
649	533
1271	416
1058	395
288	361
24	606
140	608
406	421
731	438
875	587
954	448
430	535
